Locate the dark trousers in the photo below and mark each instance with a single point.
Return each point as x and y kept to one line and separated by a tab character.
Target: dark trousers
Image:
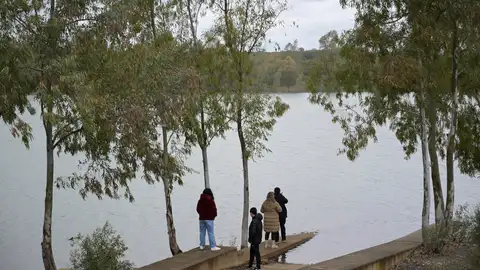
255	253
282	228
275	236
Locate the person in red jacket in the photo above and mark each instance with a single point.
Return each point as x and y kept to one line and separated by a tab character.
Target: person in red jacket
207	211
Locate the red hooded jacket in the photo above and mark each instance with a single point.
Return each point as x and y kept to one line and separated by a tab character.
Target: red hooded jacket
206	208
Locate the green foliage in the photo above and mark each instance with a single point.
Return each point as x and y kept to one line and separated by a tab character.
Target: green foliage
474	257
461	231
308	55
292	46
16	77
243	36
379	58
289	74
243	26
328	41
269	65
468	145
103	249
259	119
108	75
208	117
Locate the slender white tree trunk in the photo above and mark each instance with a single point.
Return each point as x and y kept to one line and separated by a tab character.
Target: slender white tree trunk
206	175
438	200
47	251
246	206
451	135
193	18
246	192
167	183
426	169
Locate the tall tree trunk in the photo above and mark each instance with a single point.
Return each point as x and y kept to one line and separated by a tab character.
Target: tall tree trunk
166	175
246	192
203	140
245	157
172	235
451	135
203	146
206	175
47	252
438	201
167	188
426	167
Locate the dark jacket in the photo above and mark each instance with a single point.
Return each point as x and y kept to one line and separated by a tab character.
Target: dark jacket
206	208
282	201
255	230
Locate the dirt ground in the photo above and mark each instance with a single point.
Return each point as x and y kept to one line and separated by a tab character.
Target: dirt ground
454	259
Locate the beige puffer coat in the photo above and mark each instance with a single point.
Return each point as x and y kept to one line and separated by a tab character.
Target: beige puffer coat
270	209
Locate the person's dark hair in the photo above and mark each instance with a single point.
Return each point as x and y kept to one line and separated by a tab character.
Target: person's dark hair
208	191
253	210
277	190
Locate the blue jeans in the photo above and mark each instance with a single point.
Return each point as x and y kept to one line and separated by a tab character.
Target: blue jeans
207	226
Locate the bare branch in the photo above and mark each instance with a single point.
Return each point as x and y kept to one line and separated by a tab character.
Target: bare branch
80	20
63	138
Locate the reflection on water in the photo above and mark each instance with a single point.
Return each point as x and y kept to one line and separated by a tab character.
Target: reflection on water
353	205
281	259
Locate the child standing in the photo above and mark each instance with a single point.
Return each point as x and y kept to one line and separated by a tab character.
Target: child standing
255	237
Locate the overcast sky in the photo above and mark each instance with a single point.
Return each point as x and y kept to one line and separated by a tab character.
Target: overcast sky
313	17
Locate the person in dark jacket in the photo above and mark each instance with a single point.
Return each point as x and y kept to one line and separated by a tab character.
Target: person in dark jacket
207	211
255	237
283	215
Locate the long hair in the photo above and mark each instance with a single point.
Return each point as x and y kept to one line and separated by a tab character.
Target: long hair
209	192
270	203
271	197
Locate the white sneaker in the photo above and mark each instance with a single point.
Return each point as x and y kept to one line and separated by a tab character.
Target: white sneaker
215	249
267	244
274	245
202	247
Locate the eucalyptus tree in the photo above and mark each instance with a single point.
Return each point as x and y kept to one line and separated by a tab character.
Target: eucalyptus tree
208	117
172	91
400	48
242	24
83	68
15	79
380	85
459	37
71	109
374	59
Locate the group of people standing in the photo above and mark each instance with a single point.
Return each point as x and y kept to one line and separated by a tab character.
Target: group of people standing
273	224
275	213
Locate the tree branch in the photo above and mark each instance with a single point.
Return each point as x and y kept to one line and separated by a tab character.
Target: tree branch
477	98
80	20
394	20
169	138
264	29
63	138
244	26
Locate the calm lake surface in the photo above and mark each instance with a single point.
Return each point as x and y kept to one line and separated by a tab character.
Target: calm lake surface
352	205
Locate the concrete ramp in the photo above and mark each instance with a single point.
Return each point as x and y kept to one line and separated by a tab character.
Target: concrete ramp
194	259
242	256
226	258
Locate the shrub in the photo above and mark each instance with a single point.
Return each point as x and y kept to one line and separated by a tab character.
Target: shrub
104	249
474	257
459	232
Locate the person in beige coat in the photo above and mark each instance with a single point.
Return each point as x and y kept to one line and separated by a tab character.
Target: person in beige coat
271	223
